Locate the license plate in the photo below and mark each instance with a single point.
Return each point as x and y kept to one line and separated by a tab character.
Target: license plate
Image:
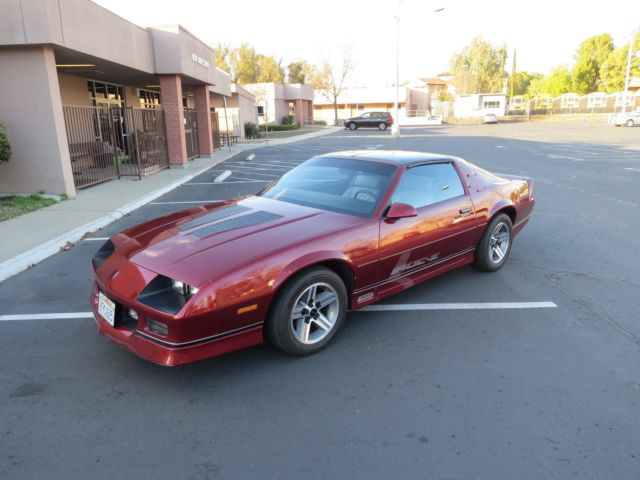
106	309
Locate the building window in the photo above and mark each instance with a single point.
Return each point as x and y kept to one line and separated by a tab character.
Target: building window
596	101
491	104
569	102
149	98
105	94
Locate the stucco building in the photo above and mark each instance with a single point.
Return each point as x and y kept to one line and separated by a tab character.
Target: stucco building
412	102
278	100
87	96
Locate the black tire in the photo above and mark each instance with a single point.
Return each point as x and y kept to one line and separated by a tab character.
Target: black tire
382	126
352	125
485	256
629	123
282	330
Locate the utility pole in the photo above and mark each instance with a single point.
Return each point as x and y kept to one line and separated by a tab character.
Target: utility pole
513	73
626	78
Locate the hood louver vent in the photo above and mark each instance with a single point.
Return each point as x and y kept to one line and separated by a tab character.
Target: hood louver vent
213	216
239	222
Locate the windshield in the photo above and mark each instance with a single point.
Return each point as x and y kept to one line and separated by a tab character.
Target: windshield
343	185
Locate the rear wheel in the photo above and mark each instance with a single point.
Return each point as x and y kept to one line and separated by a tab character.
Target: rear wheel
382	126
495	245
353	126
307	312
629	123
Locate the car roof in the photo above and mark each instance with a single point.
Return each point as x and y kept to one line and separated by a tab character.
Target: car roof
400	157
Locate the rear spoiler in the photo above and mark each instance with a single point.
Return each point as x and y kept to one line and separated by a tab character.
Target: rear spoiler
529	181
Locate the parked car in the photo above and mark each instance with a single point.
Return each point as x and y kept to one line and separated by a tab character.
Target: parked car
490	118
336	233
380	120
629	119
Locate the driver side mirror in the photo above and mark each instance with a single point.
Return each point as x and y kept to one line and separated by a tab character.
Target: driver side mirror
401	210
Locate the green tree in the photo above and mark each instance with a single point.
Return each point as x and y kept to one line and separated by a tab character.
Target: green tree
5	147
296	71
591	54
521	81
244	63
222	53
554	84
558	81
614	68
269	70
479	68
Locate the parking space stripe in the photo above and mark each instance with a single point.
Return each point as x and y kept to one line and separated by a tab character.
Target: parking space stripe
95	239
371	308
45	316
228	182
458	306
181	203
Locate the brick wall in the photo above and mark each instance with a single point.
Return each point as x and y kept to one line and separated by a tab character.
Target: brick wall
171	95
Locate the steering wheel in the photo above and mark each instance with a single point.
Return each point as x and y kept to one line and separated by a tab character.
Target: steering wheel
365	195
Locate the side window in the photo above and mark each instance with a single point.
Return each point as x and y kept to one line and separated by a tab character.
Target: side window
365	115
428	184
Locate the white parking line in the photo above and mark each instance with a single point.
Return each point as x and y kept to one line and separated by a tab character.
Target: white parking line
458	306
181	203
45	316
95	239
371	308
222	177
226	183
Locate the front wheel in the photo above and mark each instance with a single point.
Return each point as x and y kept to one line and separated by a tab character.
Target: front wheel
382	126
629	123
495	245
353	126
307	312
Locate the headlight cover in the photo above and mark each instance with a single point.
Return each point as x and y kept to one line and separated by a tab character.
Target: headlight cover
166	295
102	254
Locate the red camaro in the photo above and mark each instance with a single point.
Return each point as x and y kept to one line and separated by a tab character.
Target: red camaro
336	233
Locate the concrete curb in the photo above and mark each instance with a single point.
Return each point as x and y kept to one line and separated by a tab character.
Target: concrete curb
35	255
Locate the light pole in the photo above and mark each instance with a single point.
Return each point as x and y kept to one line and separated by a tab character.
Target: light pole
626	78
395	128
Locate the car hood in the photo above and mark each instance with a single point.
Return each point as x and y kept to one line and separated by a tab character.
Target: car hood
219	238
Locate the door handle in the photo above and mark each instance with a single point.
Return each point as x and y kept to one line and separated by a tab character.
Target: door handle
465	212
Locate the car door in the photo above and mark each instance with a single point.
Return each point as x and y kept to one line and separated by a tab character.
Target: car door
440	234
364	120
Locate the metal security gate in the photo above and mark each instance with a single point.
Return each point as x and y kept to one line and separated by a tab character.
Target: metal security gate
191	133
215	130
106	143
93	144
147	142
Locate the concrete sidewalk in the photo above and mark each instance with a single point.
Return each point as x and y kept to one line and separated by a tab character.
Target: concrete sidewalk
30	238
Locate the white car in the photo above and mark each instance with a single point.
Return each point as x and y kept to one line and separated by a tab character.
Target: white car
490	118
629	119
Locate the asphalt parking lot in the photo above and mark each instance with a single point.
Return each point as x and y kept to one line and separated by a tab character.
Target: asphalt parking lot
471	393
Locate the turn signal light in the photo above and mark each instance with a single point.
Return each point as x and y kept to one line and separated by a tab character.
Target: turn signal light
157	327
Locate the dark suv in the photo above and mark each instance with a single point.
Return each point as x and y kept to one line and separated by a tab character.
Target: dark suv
380	120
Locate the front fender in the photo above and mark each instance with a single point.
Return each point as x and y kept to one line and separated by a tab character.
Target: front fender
307	261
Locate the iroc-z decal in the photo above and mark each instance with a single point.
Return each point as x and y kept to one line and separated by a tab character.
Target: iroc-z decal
404	267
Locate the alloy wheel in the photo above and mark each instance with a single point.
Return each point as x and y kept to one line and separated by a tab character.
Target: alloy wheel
314	313
499	243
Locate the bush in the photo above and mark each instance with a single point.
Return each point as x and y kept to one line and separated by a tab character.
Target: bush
250	129
5	148
288	120
280	128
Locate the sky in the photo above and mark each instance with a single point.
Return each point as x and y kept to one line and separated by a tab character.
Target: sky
545	33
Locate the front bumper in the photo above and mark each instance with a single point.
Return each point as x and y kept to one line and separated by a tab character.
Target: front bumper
166	353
